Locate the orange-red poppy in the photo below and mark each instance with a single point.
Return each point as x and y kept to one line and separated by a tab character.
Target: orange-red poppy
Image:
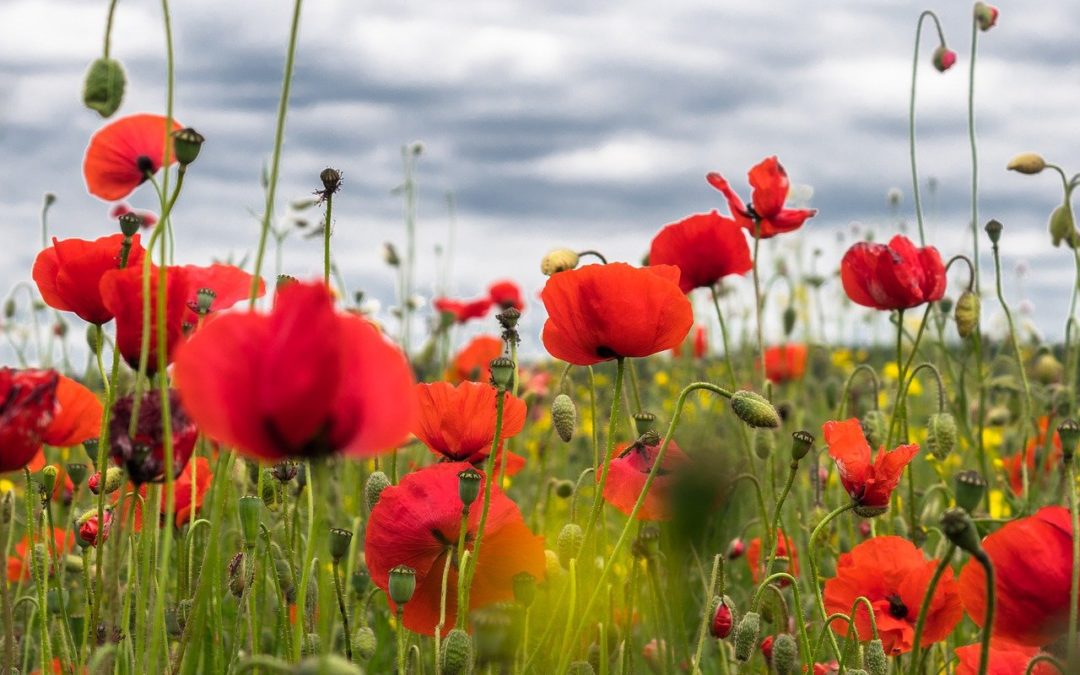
27	407
894	576
1032	560
765	214
122	292
416	523
461	311
506	294
706	247
1006	658
785	548
77	417
473	362
630	466
458	422
124	153
1033	454
197	475
301	381
227	284
68	273
895	276
601	312
868	481
785	363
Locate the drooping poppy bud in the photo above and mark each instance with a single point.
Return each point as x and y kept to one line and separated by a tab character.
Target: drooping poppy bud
91	532
968	309
746	636
1048	369
103	88
114	478
873	426
736	549
720	626
376	483
559	260
958	527
754	409
568	545
1029	163
457	653
365	643
941	434
986	16
785	654
944	58
764	443
564	416
876	661
1062	226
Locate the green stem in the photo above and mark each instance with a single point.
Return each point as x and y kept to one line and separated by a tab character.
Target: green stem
1074	590
326	237
309	556
613	421
344	611
974	151
911	119
815	582
758	302
400	641
718	560
776	514
928	597
988	618
108	28
804	639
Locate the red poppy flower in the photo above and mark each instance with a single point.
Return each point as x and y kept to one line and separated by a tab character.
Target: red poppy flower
18	563
91	532
1006	658
868	481
458	423
700	343
460	311
1033	455
197	474
601	312
77	417
506	294
893	575
227	283
123	153
630	466
473	362
27	407
122	292
143	455
1033	575
416	523
302	381
706	247
785	548
766	212
785	363
68	273
897	276
146	218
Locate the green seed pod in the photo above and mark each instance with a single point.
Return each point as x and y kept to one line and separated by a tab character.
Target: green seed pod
1069	433
48	480
564	489
524	588
1047	369
402	584
754	409
958	527
469	486
187	143
103	88
269	493
970	487
873	425
502	372
785	654
967	313
941	435
876	661
568	545
764	443
457	653
250	511
1063	226
376	483
789	321
564	416
746	636
365	643
801	444
340	538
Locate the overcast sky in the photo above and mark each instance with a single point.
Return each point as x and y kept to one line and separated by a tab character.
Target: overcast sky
553	123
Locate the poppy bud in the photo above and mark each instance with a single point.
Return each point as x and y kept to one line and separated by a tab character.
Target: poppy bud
736	549
559	260
801	444
720	626
764	443
103	88
1069	433
968	309
944	58
130	223
187	142
1063	226
785	654
457	653
284	571
502	373
985	15
90	531
365	643
390	255
789	321
568	545
564	416
236	574
114	478
993	230
970	488
376	483
873	426
1029	163
340	539
402	584
876	661
552	567
754	409
746	636
331	180
564	489
469	486
644	421
1048	369
250	511
48	480
958	527
76	472
941	434
284	471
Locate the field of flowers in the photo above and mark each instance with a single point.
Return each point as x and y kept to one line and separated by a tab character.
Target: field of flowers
251	474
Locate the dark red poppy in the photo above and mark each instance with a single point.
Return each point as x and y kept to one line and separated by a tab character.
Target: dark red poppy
122	292
68	273
1006	658
1032	559
77	417
143	454
894	576
894	276
27	407
473	362
506	294
18	563
1033	455
785	363
601	312
416	523
197	474
227	285
146	218
458	423
785	548
766	213
301	381
868	481
123	153
461	311
630	466
706	247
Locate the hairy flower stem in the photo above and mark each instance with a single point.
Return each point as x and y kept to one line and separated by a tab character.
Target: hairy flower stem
928	597
988	618
974	150
815	582
344	610
309	550
41	576
706	615
776	514
401	640
613	421
326	241
759	303
442	601
800	620
911	118
865	368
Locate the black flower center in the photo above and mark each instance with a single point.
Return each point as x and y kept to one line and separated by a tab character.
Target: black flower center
145	165
897	608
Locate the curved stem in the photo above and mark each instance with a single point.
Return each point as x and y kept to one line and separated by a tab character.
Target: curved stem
811	556
863	600
776	514
804	639
911	118
865	368
1044	658
613	421
595	254
974	150
928	597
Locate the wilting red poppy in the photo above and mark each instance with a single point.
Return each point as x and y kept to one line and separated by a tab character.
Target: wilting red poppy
894	576
1033	455
868	481
122	292
301	381
1032	574
227	284
473	362
601	312
458	422
785	548
706	247
460	311
27	407
416	523
143	455
18	563
146	218
1006	658
765	213
77	417
630	466
506	294
123	153
894	276
68	273
785	363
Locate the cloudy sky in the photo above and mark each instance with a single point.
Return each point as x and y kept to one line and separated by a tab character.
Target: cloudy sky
553	123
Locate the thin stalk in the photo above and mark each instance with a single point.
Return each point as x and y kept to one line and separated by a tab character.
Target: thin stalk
911	119
1074	590
974	151
613	421
988	618
344	611
815	582
776	514
928	597
326	237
